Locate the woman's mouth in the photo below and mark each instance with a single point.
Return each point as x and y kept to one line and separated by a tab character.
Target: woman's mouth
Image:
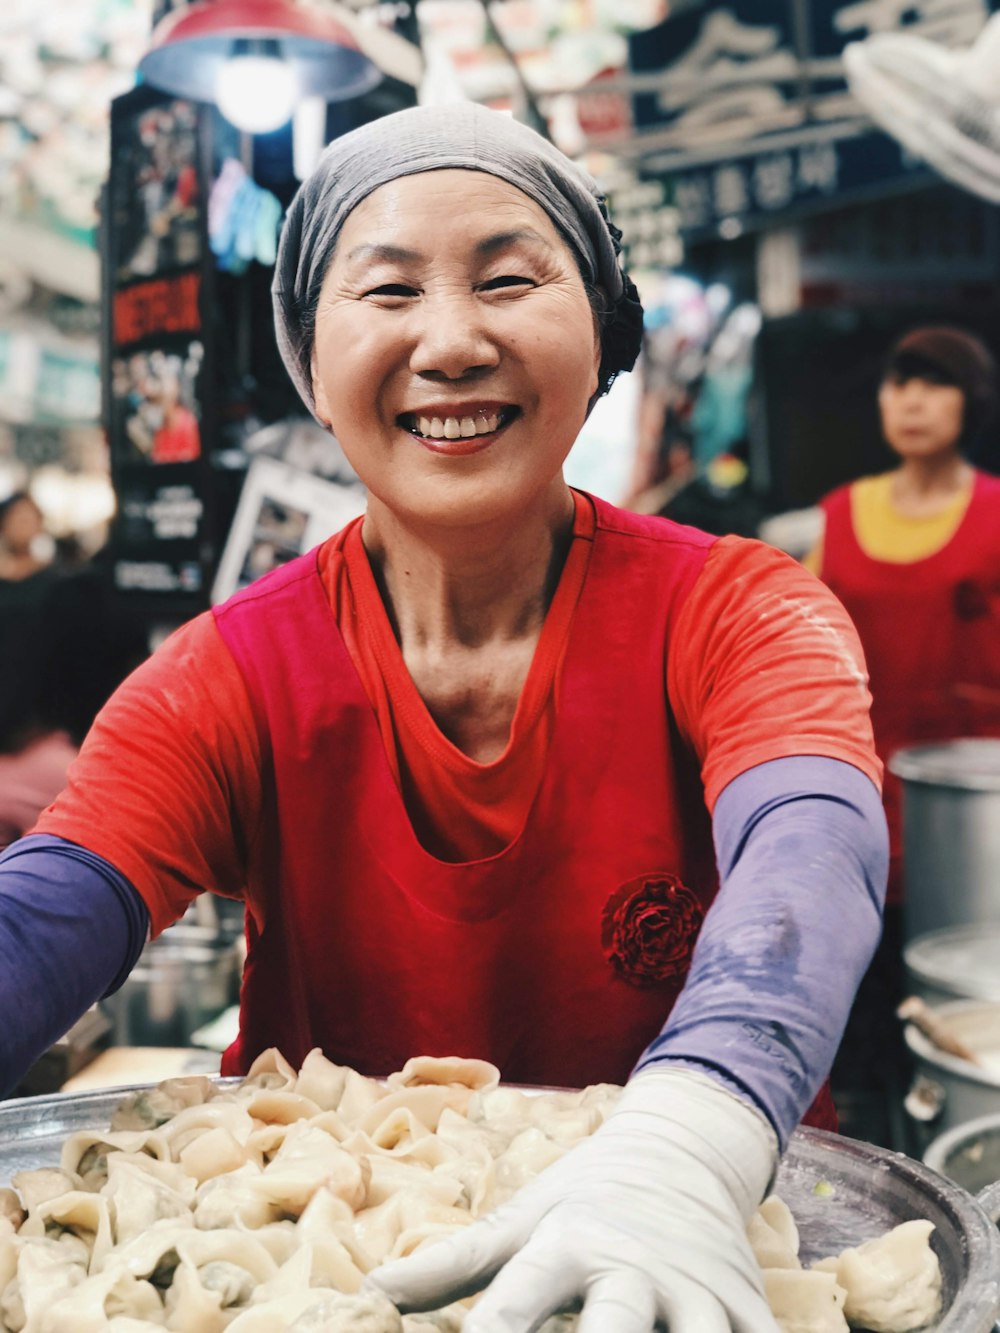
464	432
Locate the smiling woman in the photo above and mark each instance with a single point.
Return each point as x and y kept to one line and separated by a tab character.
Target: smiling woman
464	763
479	349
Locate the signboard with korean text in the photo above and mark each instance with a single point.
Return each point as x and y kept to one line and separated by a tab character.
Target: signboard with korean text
743	110
154	268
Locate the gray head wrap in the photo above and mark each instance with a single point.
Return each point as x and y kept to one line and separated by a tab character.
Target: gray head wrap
433	138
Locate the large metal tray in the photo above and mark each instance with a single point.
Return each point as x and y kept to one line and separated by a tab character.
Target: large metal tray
865	1191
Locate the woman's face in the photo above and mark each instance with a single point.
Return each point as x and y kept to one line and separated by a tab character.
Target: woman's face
921	418
455	348
21	525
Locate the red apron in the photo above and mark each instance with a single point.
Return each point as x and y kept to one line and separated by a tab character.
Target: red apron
558	958
931	634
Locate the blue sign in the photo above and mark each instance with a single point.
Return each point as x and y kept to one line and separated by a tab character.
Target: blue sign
744	108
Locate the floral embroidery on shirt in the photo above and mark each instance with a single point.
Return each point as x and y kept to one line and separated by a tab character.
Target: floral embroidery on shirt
648	929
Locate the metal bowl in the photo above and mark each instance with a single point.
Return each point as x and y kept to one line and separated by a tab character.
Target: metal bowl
864	1192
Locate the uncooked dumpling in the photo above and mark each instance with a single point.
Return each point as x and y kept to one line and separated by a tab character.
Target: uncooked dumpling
804	1301
364	1313
893	1283
773	1235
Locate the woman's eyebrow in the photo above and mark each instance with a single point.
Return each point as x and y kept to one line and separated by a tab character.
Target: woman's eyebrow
501	240
489	245
393	254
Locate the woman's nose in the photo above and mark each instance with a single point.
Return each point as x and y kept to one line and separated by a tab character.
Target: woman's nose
452	340
913	392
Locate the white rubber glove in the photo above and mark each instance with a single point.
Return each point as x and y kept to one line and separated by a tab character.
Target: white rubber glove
644	1223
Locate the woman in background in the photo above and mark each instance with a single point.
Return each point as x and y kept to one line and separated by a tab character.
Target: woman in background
914	556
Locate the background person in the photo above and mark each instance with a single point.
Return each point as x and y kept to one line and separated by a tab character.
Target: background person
65	645
34	757
914	556
25	547
465	762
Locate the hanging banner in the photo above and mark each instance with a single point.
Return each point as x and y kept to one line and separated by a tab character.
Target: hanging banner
743	109
153	264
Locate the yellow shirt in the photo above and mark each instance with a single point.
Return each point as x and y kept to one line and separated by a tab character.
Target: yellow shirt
884	533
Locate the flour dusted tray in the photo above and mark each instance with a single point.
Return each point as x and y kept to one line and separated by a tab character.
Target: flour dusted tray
863	1192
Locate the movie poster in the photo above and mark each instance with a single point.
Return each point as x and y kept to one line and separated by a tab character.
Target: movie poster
155	199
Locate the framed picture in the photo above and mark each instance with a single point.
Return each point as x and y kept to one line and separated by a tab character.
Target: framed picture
282	513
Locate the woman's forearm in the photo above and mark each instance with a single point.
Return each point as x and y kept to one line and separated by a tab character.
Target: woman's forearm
802	851
71	929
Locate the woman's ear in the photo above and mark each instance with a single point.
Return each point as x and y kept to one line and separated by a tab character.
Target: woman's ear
599	306
321	405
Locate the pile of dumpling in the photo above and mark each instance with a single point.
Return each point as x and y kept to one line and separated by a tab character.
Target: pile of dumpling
259	1207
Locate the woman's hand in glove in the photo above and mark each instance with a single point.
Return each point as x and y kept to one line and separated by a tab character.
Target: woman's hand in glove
644	1224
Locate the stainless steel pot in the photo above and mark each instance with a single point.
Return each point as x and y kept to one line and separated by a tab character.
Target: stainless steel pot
865	1192
970	1155
959	963
951	833
947	1091
183	979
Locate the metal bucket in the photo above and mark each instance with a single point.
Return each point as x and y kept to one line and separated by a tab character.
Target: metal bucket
951	833
946	1091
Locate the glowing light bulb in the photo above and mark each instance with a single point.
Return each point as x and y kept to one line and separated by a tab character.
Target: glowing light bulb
256	93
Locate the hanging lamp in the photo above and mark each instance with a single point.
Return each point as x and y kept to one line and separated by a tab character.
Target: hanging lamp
256	58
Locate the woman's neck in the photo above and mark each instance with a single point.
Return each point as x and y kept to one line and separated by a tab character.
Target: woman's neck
923	486
470	586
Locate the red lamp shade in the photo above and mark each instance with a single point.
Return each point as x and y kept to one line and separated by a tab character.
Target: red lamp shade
189	45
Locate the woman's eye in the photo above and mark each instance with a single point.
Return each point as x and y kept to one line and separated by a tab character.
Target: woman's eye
392	289
508	280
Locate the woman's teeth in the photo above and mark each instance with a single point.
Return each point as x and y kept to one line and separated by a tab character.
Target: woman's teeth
454	428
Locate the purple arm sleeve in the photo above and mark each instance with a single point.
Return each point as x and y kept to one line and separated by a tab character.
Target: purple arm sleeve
803	857
71	929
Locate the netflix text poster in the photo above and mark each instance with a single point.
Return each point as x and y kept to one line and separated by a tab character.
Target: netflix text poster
155	378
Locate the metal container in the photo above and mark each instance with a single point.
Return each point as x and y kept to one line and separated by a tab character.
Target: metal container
951	833
970	1155
960	963
867	1190
183	979
947	1091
